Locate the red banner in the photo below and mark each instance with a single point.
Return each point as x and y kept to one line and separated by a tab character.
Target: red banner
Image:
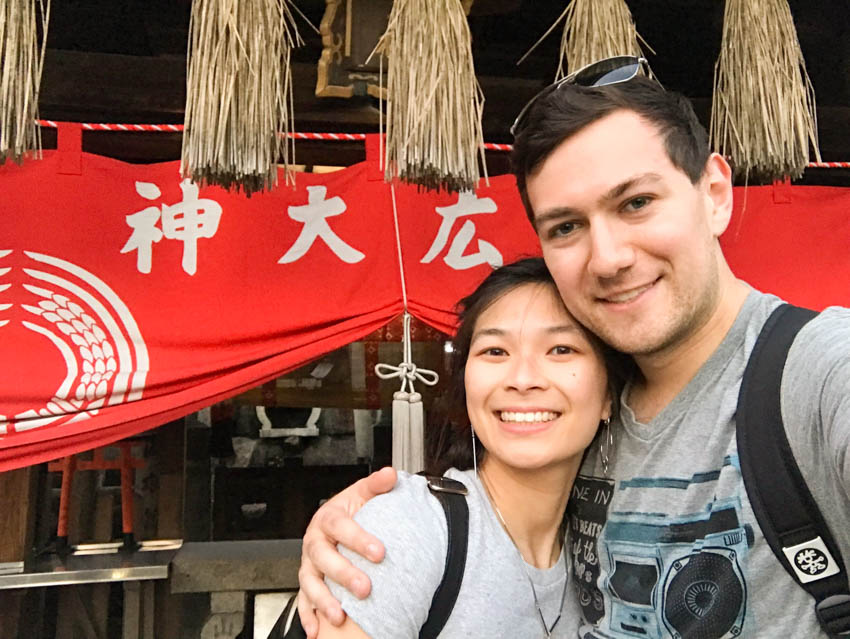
129	298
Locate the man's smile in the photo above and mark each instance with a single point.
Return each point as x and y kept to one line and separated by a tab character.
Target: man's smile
624	296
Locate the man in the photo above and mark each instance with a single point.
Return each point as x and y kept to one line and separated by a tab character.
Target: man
628	205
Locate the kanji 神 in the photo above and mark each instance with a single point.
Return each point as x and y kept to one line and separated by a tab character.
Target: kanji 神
314	216
467	204
187	220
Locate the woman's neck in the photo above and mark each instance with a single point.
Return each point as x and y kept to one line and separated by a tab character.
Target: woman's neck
532	503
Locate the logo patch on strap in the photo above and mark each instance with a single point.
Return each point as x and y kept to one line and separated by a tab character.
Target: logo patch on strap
811	560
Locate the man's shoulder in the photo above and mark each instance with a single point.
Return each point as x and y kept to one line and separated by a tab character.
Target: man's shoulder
824	340
829	324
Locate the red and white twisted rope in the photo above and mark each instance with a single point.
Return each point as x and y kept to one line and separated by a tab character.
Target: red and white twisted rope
339	137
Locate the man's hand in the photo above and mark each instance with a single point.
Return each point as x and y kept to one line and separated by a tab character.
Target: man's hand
333	524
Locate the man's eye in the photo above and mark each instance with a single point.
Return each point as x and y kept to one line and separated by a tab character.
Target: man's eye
637	203
562	229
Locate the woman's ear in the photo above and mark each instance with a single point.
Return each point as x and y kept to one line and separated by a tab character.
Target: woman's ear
606	408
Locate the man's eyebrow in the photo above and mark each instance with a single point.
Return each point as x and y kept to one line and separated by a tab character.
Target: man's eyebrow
636	180
557	213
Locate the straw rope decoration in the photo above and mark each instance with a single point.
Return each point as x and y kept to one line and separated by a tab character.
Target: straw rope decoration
763	109
434	106
239	93
21	62
593	30
596	29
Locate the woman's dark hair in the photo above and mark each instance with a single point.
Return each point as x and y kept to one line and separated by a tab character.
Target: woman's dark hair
564	112
448	440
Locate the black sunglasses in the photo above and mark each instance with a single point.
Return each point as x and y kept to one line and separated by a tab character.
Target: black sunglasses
621	68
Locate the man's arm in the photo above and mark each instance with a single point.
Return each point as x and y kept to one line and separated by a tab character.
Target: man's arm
835	414
816	392
333	524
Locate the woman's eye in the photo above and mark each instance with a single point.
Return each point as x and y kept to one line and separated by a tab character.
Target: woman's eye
494	351
561	350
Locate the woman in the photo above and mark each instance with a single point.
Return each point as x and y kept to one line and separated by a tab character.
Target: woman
530	389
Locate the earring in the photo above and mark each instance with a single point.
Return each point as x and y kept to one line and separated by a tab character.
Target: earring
474	451
606	446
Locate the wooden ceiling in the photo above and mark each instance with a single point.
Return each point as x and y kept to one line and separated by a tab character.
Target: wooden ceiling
124	61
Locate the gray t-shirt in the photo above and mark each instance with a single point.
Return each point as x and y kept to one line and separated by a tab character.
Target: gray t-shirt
495	598
668	546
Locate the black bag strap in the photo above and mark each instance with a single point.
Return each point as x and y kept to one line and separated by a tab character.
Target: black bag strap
452	495
288	624
789	517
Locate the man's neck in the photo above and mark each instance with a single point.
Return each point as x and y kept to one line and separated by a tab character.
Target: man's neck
532	504
667	372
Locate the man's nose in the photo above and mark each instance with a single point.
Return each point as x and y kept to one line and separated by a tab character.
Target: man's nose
610	250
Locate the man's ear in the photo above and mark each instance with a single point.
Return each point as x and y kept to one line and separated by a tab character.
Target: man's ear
717	184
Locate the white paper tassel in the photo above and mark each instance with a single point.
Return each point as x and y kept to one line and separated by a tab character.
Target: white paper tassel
408	411
401	429
416	442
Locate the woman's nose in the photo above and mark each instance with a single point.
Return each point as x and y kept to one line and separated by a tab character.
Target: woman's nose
525	373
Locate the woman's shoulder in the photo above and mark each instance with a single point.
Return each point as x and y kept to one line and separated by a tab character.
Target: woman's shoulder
411	524
409	497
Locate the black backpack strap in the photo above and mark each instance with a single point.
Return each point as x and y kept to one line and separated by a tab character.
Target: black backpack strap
787	514
452	496
288	624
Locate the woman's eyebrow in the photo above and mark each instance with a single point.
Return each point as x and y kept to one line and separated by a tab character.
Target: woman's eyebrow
563	328
484	332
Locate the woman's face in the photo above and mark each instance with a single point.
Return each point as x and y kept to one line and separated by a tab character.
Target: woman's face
536	389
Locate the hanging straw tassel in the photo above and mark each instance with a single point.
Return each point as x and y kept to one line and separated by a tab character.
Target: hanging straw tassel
408	412
763	109
593	30
434	136
239	93
21	62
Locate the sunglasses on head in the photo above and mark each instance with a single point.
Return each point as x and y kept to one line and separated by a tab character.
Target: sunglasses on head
621	68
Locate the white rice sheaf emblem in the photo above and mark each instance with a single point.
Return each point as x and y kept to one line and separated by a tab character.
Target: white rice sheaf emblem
105	357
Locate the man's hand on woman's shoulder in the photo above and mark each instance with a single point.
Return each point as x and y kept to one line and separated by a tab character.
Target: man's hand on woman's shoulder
333	523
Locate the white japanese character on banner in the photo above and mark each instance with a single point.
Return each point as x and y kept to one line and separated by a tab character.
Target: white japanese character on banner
467	204
187	220
313	215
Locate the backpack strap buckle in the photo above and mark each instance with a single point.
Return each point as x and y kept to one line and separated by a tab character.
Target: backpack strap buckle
834	615
446	485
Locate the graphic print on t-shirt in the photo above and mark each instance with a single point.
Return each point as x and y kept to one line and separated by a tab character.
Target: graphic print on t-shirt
588	510
663	576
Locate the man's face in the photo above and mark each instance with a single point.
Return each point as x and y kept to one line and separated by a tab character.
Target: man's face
630	241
